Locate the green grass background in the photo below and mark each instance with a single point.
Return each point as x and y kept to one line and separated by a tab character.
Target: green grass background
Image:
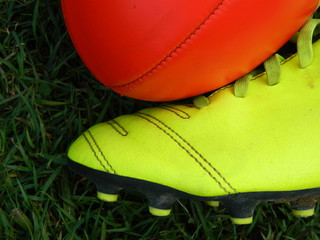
47	99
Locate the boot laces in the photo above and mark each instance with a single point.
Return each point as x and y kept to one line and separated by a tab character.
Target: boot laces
272	65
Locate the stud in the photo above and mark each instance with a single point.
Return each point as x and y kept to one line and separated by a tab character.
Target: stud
242	221
107	197
240	209
303	207
213	203
160	201
159	212
303	213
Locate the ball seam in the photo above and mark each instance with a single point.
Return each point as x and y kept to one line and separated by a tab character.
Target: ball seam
172	53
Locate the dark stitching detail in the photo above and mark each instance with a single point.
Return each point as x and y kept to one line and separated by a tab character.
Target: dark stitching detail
104	158
94	152
186	150
180	113
113	124
174	51
199	154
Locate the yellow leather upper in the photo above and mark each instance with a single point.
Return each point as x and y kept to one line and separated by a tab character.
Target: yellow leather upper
267	141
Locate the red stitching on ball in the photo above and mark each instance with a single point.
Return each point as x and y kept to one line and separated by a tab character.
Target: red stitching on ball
173	53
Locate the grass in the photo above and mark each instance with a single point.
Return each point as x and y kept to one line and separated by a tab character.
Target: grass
47	99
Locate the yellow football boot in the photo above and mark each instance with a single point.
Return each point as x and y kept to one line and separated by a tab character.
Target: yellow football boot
252	141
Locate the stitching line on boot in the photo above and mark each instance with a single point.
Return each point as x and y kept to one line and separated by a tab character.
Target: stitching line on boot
198	153
176	111
113	122
103	156
94	152
187	151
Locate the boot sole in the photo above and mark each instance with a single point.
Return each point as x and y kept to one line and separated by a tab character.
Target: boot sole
160	197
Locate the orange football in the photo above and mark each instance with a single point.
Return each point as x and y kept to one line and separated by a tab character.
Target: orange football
171	49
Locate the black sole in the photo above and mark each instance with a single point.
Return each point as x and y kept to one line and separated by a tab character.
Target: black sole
240	205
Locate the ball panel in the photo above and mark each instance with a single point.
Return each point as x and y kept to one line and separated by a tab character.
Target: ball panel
120	44
121	40
224	50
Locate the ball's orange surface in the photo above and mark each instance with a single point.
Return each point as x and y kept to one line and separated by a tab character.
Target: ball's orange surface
160	50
